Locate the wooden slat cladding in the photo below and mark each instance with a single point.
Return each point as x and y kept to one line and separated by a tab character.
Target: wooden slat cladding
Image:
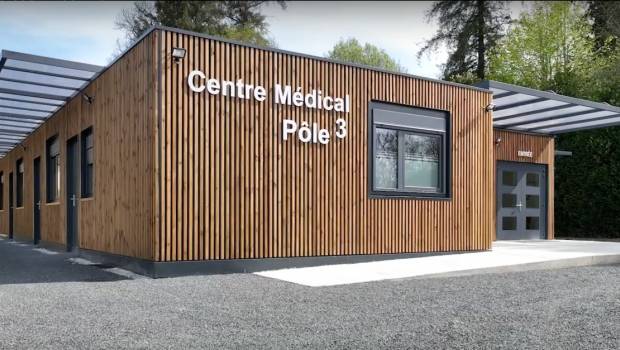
543	152
120	217
231	189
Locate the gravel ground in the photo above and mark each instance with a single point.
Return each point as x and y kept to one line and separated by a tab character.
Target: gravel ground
78	307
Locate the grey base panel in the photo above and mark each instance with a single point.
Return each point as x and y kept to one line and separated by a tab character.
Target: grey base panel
206	267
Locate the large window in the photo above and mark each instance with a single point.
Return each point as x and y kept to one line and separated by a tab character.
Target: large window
87	163
408	153
53	169
19	198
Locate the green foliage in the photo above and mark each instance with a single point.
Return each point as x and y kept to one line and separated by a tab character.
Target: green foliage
548	49
469	29
352	51
238	20
554	47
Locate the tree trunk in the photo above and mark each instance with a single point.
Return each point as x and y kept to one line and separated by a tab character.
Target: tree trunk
481	48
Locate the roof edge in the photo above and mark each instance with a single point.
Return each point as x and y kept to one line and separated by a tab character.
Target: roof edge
318	58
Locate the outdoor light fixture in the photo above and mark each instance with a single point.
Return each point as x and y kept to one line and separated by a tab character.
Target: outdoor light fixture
178	54
498	141
490	107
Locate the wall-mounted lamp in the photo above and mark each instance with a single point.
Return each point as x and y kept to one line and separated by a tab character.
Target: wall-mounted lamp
88	98
498	141
178	54
490	107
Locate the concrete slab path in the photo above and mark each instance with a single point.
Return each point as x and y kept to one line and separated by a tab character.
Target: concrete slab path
505	256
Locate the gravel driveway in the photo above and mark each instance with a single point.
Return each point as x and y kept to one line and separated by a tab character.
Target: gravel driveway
79	307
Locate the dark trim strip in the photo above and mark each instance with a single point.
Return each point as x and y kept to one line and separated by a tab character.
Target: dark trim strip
21	116
34	71
20	81
28	101
583	127
24	108
591	119
504	94
18	56
35	94
524	114
545	119
519	104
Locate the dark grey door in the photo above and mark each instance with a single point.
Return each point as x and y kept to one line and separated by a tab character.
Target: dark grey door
11	205
73	172
521	201
36	214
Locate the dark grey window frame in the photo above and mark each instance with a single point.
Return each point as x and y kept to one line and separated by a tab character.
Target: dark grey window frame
19	183
1	190
445	192
88	178
50	174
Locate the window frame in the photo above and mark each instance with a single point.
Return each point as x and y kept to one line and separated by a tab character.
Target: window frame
19	183
48	172
1	190
401	191
87	193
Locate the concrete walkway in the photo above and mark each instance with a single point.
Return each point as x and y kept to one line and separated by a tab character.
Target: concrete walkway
505	256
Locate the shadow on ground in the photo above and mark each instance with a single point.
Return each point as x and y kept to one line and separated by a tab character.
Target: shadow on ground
25	263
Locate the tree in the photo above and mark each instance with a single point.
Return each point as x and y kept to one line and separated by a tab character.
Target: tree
605	17
548	48
352	51
553	47
469	29
239	20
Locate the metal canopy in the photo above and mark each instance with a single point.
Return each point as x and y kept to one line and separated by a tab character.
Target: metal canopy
32	89
529	110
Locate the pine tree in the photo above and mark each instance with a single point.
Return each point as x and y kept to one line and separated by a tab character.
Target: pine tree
469	29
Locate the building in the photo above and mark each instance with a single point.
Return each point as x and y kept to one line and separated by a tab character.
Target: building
191	153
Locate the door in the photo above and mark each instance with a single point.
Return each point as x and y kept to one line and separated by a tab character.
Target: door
11	224
521	201
36	207
72	194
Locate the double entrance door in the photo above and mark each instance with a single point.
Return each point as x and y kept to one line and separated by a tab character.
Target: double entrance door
521	201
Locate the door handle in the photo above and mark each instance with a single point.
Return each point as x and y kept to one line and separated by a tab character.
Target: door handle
519	205
39	205
73	199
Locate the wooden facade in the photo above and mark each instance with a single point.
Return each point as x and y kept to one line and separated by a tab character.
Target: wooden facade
181	176
508	145
119	217
232	189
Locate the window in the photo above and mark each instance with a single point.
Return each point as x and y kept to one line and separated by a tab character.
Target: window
87	163
19	198
1	191
408	153
53	169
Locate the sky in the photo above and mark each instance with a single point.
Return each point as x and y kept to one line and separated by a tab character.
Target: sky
85	31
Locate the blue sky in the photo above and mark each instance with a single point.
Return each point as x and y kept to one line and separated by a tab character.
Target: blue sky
85	31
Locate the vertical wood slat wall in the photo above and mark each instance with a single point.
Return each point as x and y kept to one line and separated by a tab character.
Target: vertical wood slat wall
119	218
543	152
231	189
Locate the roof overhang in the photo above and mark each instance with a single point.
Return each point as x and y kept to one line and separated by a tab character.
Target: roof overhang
32	89
528	110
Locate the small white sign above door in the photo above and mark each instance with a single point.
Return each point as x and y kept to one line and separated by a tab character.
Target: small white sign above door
527	154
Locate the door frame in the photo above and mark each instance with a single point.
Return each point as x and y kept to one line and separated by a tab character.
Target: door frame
544	196
72	178
11	206
36	200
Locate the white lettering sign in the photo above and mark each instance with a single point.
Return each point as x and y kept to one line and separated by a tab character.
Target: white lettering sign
527	154
283	95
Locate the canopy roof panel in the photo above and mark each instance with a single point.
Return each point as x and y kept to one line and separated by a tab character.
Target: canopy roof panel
522	109
32	89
